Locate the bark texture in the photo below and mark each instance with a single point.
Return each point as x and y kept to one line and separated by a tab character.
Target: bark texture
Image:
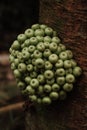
69	19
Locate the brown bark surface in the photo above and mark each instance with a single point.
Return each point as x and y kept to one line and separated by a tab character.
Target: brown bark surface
69	19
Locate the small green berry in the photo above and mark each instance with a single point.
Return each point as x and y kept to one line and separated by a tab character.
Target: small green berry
47	39
35	26
63	55
41	78
30	90
59	64
27	79
48	31
47	88
31	48
33	41
48	74
54	95
29	33
21	85
22	67
77	71
39	32
39	63
55	87
62	95
70	78
17	73
46	100
30	67
34	83
67	64
16	45
48	65
53	58
60	80
21	38
68	87
46	53
56	40
60	72
53	46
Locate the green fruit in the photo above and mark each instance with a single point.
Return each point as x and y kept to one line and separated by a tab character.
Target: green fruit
33	41
39	63
35	26
46	100
60	72
41	78
21	85
17	73
54	95
55	87
59	64
39	32
67	64
34	83
53	46
63	55
33	98
48	65
53	58
21	38
77	71
47	88
48	74
56	40
22	67
62	95
16	45
29	33
70	78
68	87
44	69
30	90
60	80
48	31
47	39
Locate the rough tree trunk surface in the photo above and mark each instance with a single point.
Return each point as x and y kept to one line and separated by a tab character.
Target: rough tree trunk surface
69	19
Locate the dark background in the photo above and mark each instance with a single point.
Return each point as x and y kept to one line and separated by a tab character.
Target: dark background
15	17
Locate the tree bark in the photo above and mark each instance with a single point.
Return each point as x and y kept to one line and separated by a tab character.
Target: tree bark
69	19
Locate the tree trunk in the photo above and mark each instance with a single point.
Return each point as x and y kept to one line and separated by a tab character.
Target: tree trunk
69	19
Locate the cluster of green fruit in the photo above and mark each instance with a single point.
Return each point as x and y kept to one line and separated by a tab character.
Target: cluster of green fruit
44	69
